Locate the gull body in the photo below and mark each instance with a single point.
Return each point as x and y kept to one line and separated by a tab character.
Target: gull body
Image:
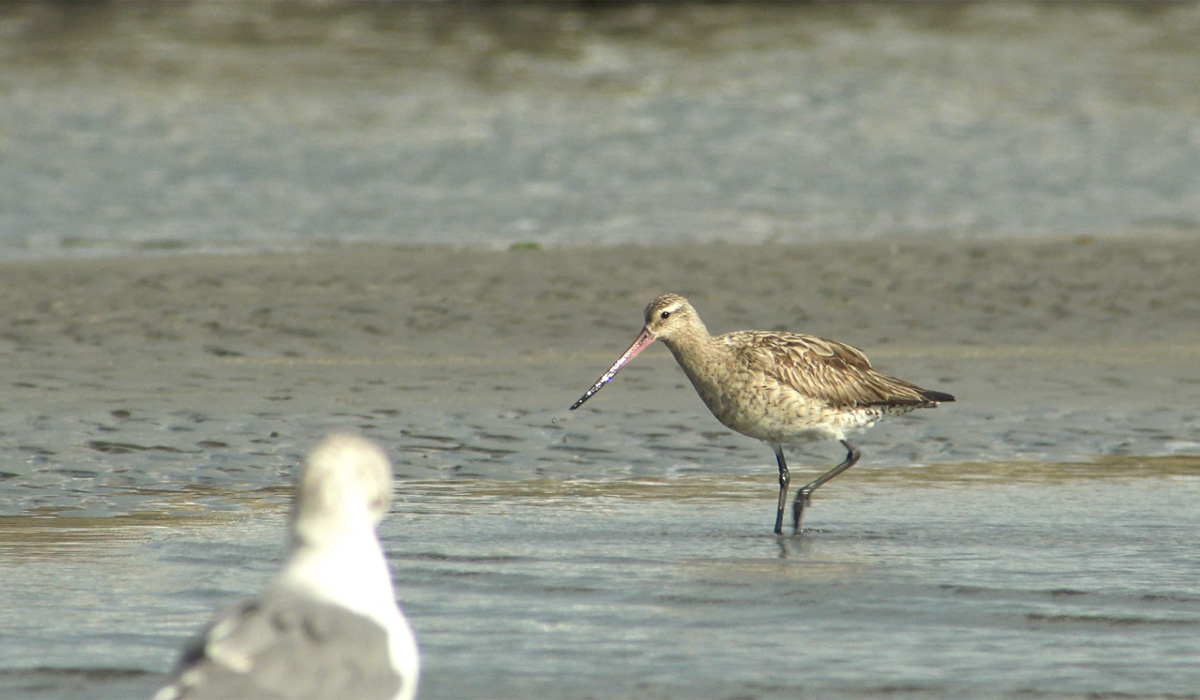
781	388
328	625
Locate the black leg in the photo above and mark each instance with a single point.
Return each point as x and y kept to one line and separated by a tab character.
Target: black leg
785	478
805	494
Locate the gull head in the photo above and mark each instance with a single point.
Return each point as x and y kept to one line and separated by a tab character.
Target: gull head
347	480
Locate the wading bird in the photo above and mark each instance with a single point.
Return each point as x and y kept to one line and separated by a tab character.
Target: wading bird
781	388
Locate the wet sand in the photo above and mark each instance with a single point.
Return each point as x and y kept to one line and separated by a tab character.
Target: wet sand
195	362
413	304
154	408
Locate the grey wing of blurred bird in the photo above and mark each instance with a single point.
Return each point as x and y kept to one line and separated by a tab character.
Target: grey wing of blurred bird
288	647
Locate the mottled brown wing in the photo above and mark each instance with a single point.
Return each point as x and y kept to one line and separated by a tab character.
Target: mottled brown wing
831	372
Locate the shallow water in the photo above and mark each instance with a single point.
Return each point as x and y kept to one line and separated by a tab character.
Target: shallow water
960	580
624	549
1033	539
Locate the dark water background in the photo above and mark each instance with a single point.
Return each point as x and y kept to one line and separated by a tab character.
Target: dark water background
213	125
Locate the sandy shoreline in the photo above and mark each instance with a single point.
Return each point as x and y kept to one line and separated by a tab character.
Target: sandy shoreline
136	372
370	300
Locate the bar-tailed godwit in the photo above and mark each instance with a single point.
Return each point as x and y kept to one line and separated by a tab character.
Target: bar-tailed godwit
780	388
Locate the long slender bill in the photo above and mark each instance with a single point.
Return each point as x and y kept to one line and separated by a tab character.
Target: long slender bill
639	344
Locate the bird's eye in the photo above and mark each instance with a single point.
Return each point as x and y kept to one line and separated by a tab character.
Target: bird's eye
665	314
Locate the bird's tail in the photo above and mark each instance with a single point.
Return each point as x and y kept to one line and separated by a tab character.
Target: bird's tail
936	396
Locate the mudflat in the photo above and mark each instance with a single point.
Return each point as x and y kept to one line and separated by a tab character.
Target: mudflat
198	360
408	305
154	408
